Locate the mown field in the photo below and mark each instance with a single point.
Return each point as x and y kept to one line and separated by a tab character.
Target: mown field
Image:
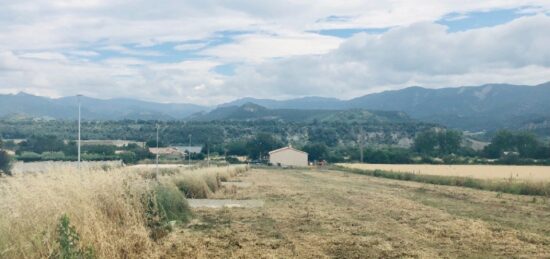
534	173
306	214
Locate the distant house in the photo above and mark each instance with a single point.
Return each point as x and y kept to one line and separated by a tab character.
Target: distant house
118	143
164	151
288	156
189	149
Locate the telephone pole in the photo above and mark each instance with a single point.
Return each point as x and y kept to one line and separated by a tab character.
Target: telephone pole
157	149
189	150
79	120
361	143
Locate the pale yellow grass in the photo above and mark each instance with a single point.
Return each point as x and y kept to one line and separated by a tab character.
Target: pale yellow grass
107	209
534	173
160	166
313	214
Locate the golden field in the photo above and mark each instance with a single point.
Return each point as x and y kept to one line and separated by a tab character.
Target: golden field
531	173
306	214
112	209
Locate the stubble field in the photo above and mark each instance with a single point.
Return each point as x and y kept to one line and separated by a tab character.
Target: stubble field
532	173
329	214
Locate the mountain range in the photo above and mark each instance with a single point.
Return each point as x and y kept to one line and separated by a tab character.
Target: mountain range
251	111
26	105
475	108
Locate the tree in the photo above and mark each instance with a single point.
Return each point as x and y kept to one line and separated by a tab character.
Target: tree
105	150
426	142
5	161
524	143
316	151
42	143
237	148
261	144
438	142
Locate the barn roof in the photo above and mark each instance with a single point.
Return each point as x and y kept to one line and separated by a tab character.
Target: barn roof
286	148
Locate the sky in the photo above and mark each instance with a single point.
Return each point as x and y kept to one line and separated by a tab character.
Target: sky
210	52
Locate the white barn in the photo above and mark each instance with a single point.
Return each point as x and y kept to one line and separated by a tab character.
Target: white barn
288	156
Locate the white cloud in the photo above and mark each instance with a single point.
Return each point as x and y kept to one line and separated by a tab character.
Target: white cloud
256	47
421	54
59	47
83	53
44	56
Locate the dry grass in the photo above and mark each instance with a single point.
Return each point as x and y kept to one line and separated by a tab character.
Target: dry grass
307	214
111	210
532	173
311	214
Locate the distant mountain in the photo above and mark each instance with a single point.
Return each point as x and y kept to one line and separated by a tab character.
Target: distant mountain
486	107
251	111
475	108
26	105
305	103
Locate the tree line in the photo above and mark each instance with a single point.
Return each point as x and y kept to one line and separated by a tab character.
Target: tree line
332	142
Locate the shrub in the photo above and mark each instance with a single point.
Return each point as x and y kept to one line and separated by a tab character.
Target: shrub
213	181
27	156
128	157
171	203
53	156
193	187
5	162
68	241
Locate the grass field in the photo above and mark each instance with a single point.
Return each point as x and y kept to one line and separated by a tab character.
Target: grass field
534	173
308	214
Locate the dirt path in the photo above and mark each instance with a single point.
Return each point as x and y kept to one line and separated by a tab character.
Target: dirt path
332	214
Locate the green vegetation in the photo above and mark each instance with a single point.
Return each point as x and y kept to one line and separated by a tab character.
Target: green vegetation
259	146
51	148
504	186
316	151
521	144
69	242
383	141
172	204
441	142
5	161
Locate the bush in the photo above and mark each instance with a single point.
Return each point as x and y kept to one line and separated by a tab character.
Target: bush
68	240
171	203
53	156
5	162
193	187
128	157
27	156
232	160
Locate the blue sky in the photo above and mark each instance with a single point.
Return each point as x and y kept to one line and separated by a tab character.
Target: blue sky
209	52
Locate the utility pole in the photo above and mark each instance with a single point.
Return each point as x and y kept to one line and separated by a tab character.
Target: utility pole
157	148
208	151
79	120
189	150
361	143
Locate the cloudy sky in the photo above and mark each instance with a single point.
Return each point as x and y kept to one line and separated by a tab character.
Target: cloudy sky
209	52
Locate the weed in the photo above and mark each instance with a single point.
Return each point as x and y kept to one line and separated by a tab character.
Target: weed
68	240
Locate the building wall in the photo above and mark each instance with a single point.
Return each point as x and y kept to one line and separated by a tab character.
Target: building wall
288	157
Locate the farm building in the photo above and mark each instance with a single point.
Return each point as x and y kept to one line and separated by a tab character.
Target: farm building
288	156
190	149
165	151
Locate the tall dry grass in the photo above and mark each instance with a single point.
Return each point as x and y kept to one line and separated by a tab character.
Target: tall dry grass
201	183
112	210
